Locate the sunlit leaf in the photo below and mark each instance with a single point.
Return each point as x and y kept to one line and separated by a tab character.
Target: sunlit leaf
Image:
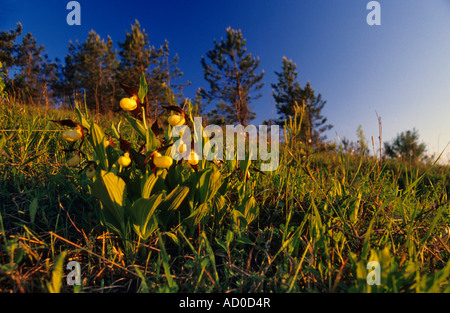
142	88
98	142
111	191
142	215
57	274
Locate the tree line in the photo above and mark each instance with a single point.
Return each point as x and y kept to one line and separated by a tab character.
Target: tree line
92	70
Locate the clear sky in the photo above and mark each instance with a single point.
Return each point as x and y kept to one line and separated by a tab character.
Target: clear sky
400	69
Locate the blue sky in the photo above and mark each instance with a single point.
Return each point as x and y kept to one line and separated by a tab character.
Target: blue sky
400	69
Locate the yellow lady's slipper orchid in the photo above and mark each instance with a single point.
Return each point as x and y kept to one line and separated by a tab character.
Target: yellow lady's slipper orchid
175	120
193	159
90	173
73	134
125	160
128	104
75	160
162	161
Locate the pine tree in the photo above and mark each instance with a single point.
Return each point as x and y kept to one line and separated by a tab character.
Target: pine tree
29	60
8	47
233	81
91	67
137	56
164	77
287	93
316	122
34	73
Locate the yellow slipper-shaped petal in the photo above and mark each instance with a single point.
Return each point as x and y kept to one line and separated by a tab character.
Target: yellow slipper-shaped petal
175	120
72	134
128	104
162	161
74	161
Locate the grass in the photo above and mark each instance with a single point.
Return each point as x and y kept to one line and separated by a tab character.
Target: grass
317	221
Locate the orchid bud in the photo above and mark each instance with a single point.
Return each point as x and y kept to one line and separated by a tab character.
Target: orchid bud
74	161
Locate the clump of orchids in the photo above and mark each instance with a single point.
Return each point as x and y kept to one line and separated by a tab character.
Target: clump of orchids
76	133
155	180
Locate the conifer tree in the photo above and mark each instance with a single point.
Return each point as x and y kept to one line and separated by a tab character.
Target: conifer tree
231	73
8	47
287	93
137	56
34	73
28	59
91	67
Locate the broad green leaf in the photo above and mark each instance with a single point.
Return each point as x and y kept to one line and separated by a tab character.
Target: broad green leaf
175	198
245	164
225	185
221	244
209	182
215	182
137	125
148	186
219	202
174	175
111	191
151	140
202	187
142	213
98	142
238	217
143	87
245	240
57	274
172	203
199	213
251	210
247	210
173	237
